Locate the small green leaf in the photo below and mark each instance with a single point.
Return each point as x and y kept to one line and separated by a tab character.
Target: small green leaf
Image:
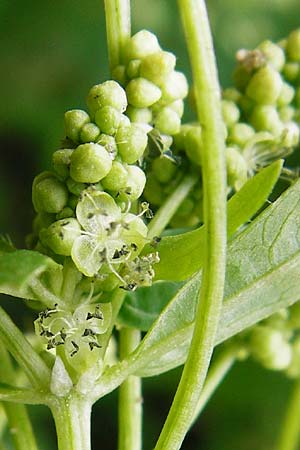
262	277
6	245
142	307
182	255
19	270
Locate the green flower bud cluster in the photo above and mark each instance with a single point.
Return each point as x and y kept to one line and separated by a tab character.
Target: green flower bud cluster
83	204
275	342
155	90
75	336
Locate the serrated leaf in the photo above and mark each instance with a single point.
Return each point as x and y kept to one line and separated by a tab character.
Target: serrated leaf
19	270
142	307
262	277
182	255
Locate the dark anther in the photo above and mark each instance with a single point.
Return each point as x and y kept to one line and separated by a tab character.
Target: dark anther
88	332
90	215
156	240
76	348
133	246
61	235
94	344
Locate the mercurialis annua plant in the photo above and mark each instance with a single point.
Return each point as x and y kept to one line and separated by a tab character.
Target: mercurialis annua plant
146	222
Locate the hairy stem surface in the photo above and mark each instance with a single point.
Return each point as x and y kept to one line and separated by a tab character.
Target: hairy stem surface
207	91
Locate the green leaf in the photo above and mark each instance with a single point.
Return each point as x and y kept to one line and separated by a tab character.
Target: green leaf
5	244
142	307
182	255
20	269
262	277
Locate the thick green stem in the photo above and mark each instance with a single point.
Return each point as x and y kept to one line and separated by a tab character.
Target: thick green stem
15	342
170	206
130	397
18	420
290	432
207	92
118	29
72	420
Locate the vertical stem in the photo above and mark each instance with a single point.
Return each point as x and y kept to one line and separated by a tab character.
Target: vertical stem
118	29
290	432
130	397
207	91
18	420
72	420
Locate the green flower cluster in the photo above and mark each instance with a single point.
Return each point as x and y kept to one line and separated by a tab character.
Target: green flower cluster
261	124
83	204
155	90
275	342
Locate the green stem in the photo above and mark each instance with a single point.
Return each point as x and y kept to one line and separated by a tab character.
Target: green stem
72	421
207	92
15	342
130	397
170	206
18	420
290	432
118	29
215	376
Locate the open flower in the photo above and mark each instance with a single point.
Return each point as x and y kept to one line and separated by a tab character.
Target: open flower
108	236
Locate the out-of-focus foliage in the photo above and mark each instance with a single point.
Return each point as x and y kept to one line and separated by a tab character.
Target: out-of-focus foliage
51	53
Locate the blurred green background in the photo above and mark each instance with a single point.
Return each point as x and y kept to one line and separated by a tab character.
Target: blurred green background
51	53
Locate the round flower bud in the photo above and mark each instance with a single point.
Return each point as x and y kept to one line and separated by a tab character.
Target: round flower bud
74	121
108	119
178	107
89	163
74	186
167	121
287	94
265	117
64	213
119	74
175	87
231	94
61	161
230	112
163	169
61	235
89	132
141	93
141	44
157	66
291	71
236	168
139	115
109	93
240	133
131	142
265	86
116	179
270	348
286	113
135	183
273	53
193	144
293	45
48	193
109	143
133	68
